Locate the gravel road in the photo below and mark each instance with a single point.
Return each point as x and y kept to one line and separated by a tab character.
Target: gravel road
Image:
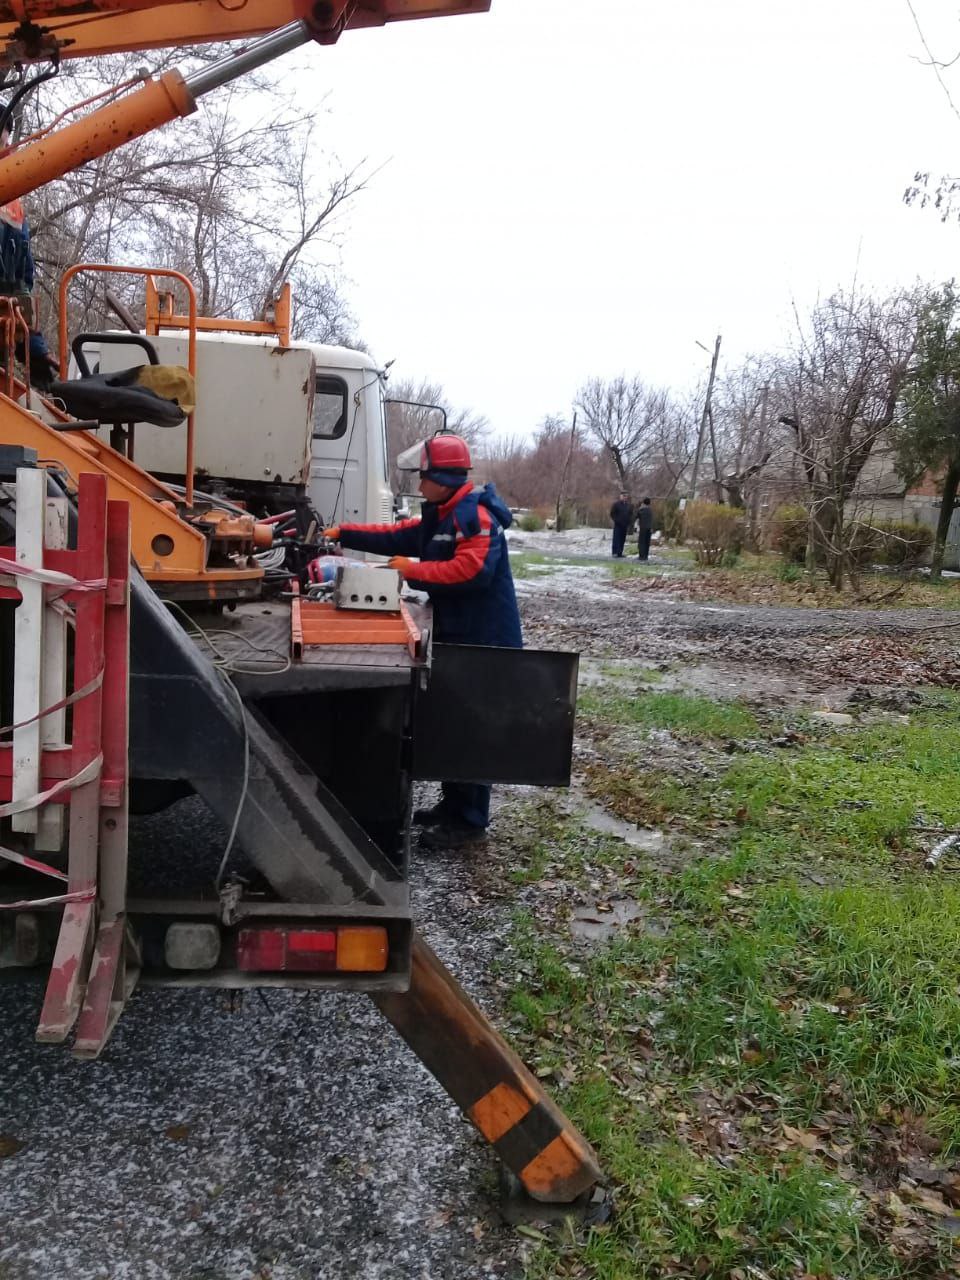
291	1138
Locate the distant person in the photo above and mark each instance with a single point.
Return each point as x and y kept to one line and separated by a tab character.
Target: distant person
621	513
644	529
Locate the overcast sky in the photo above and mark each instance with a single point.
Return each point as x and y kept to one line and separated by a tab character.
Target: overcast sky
575	188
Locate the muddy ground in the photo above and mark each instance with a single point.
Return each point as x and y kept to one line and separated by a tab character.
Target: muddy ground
295	1138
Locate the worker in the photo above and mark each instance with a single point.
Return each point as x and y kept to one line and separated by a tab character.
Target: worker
464	568
621	513
17	275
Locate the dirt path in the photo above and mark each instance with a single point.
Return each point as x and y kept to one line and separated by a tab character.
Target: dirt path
638	618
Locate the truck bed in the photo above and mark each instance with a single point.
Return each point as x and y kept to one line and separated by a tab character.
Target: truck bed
266	625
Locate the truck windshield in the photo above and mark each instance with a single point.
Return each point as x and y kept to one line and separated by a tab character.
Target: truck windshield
329	407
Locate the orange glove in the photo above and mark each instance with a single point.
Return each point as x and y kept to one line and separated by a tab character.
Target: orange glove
402	564
333	533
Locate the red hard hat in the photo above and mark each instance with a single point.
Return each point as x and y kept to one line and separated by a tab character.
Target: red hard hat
445	453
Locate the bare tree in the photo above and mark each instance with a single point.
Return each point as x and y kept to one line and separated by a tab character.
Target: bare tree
671	445
236	196
614	413
749	437
841	390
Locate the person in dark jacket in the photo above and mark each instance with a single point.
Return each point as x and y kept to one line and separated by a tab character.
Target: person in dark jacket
621	513
644	529
17	277
463	565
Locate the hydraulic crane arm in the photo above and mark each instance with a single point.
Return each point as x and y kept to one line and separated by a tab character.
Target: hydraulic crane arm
145	23
31	29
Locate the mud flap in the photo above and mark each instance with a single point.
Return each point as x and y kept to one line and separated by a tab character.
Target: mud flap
496	715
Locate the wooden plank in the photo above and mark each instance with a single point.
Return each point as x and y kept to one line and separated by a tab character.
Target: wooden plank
53	678
28	643
487	1080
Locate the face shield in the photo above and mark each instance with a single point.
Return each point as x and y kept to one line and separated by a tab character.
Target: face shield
414	458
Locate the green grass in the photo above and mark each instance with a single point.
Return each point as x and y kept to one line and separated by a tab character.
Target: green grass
844	996
522	562
620	569
683	714
809	977
855	798
688	1217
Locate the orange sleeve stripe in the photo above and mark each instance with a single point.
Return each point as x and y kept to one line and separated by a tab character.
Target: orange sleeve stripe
467	561
381	528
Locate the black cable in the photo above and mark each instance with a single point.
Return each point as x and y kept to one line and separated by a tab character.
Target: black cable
10	110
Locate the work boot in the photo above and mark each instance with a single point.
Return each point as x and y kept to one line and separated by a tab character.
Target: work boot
452	835
437	813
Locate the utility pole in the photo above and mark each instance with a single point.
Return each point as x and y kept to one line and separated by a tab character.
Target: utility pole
566	468
705	417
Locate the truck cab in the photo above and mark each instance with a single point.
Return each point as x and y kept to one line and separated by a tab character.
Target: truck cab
269	419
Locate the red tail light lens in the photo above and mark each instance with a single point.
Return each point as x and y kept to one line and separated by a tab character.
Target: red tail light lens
275	950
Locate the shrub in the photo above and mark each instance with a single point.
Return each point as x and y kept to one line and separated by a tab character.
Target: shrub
531	522
788	532
902	542
716	531
568	517
667	518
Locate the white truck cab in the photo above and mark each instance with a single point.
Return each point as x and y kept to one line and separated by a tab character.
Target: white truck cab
270	418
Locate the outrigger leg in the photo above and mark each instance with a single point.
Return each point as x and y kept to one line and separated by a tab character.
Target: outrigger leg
531	1135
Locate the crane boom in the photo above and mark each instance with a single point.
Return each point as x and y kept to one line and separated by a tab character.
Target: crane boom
147	23
31	29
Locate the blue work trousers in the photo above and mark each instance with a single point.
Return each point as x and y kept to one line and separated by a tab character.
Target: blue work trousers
619	538
467	802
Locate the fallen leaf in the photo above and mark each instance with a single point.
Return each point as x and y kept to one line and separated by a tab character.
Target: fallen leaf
896	1205
802	1138
178	1132
530	1232
9	1145
930	1202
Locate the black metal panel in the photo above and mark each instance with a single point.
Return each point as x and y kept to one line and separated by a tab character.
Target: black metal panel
496	715
186	724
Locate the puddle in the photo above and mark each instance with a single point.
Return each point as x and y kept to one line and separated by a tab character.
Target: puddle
648	839
602	921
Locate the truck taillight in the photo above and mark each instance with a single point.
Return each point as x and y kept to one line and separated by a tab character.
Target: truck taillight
272	950
362	948
275	949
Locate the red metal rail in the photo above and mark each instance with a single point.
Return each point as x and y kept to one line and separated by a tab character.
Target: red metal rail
88	979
